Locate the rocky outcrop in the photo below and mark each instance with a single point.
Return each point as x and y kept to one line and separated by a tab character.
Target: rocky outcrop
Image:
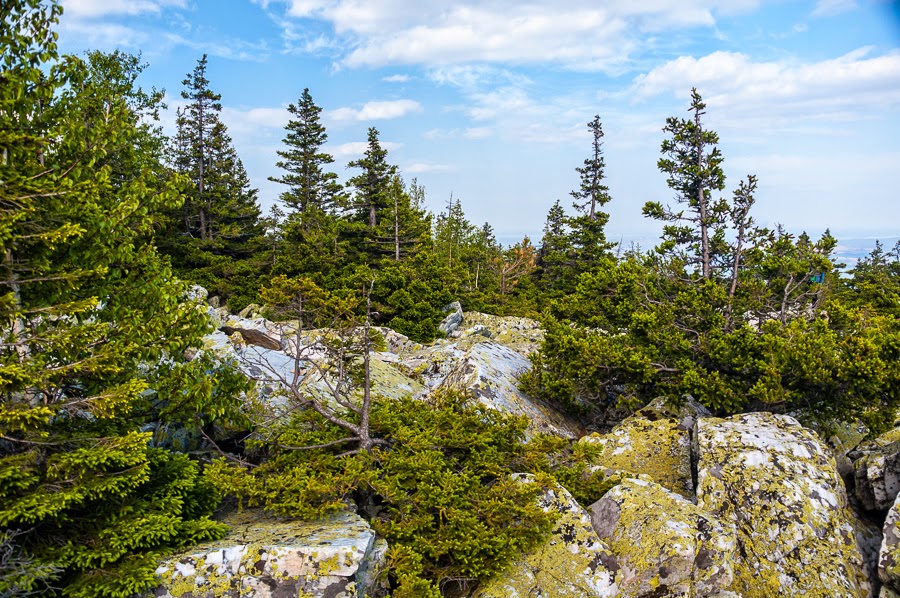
774	480
452	321
659	449
266	557
490	372
876	471
572	563
664	544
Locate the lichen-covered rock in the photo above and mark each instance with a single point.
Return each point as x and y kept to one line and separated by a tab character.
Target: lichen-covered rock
267	557
889	555
686	410
196	293
452	321
659	449
664	544
522	335
842	438
776	482
572	563
250	311
876	471
490	372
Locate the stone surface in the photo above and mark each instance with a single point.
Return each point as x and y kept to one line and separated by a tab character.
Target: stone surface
664	544
452	321
775	481
490	372
876	471
572	563
266	557
889	554
659	449
253	337
196	294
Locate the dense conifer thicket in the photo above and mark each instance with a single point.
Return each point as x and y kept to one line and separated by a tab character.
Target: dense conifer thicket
105	222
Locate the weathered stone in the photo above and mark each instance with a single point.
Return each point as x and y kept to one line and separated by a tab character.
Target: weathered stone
268	557
522	335
572	563
842	438
775	481
889	555
659	449
451	322
215	302
686	410
253	337
664	544
490	372
196	293
250	311
876	471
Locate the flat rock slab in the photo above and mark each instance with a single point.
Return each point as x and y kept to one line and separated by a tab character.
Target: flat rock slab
776	482
268	557
664	544
572	563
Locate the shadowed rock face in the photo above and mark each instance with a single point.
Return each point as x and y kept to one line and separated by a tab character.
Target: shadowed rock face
776	482
268	557
876	471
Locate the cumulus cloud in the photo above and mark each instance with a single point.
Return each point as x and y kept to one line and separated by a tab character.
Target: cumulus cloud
375	110
844	87
582	34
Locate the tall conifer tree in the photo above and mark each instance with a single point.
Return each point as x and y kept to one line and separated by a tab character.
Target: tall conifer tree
89	313
304	162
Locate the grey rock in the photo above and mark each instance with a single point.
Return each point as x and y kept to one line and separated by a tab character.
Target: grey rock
451	322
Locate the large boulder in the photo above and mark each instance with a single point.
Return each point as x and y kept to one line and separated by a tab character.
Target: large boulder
490	372
572	563
268	557
660	450
876	471
776	482
664	544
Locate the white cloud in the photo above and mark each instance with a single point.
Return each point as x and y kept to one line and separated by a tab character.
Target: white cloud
830	8
99	8
358	148
419	168
847	87
583	34
376	110
396	79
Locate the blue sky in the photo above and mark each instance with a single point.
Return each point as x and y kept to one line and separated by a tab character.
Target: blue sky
489	100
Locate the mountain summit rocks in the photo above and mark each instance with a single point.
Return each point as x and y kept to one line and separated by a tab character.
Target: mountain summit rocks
750	506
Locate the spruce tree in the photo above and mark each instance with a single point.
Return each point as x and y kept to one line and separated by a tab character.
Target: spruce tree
373	183
213	238
588	227
303	161
91	318
693	163
555	269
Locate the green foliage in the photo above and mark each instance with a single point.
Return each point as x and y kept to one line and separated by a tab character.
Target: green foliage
89	312
441	492
634	332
